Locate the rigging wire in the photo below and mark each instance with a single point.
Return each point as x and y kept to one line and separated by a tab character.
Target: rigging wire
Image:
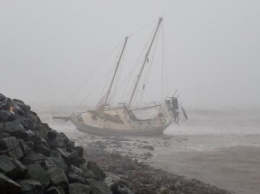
164	61
141	29
118	78
91	74
93	89
134	68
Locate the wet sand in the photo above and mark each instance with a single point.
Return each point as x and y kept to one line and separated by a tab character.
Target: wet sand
235	169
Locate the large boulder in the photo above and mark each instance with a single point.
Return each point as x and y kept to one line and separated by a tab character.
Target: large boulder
96	170
75	174
11	144
6	166
86	172
69	157
6	116
58	177
11	127
98	187
8	186
60	141
12	167
38	173
30	186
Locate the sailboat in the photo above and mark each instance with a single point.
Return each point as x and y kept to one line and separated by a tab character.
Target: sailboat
124	119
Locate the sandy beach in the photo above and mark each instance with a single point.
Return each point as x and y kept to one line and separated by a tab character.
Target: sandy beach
219	148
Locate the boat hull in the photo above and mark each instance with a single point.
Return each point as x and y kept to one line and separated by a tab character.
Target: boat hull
112	132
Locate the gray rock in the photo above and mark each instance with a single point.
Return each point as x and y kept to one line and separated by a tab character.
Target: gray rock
2	97
6	116
12	167
76	188
60	141
8	186
33	158
30	186
52	134
75	175
11	127
68	157
55	190
6	166
57	161
11	143
20	169
120	188
58	177
43	149
86	172
98	187
36	172
96	170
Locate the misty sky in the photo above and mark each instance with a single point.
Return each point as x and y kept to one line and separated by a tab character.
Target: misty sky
48	48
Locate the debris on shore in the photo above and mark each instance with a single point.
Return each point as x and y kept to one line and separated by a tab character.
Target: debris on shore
35	159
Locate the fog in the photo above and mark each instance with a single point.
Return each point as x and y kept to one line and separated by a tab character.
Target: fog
48	49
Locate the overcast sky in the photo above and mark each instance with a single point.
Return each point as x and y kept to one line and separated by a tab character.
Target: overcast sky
48	48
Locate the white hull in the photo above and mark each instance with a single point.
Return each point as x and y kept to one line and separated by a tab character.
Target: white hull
117	123
113	132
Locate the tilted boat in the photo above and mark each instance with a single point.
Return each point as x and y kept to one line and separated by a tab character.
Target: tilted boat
124	119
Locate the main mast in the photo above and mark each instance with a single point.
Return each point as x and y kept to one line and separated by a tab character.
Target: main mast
118	62
145	59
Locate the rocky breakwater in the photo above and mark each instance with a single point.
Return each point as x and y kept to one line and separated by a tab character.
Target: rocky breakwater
35	159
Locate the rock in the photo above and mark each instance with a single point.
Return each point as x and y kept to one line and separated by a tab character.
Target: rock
12	144
75	175
60	141
55	190
36	172
21	170
68	157
120	188
30	144
12	167
80	150
6	166
87	173
22	134
2	97
98	187
52	134
96	170
58	177
8	186
148	147
6	116
42	130
76	188
43	149
33	158
11	127
30	186
57	161
5	104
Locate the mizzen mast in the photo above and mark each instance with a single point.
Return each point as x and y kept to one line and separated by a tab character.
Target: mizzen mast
118	62
144	62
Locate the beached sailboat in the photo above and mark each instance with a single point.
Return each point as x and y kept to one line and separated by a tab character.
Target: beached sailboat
125	119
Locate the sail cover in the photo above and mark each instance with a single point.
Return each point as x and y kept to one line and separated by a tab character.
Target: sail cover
145	113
